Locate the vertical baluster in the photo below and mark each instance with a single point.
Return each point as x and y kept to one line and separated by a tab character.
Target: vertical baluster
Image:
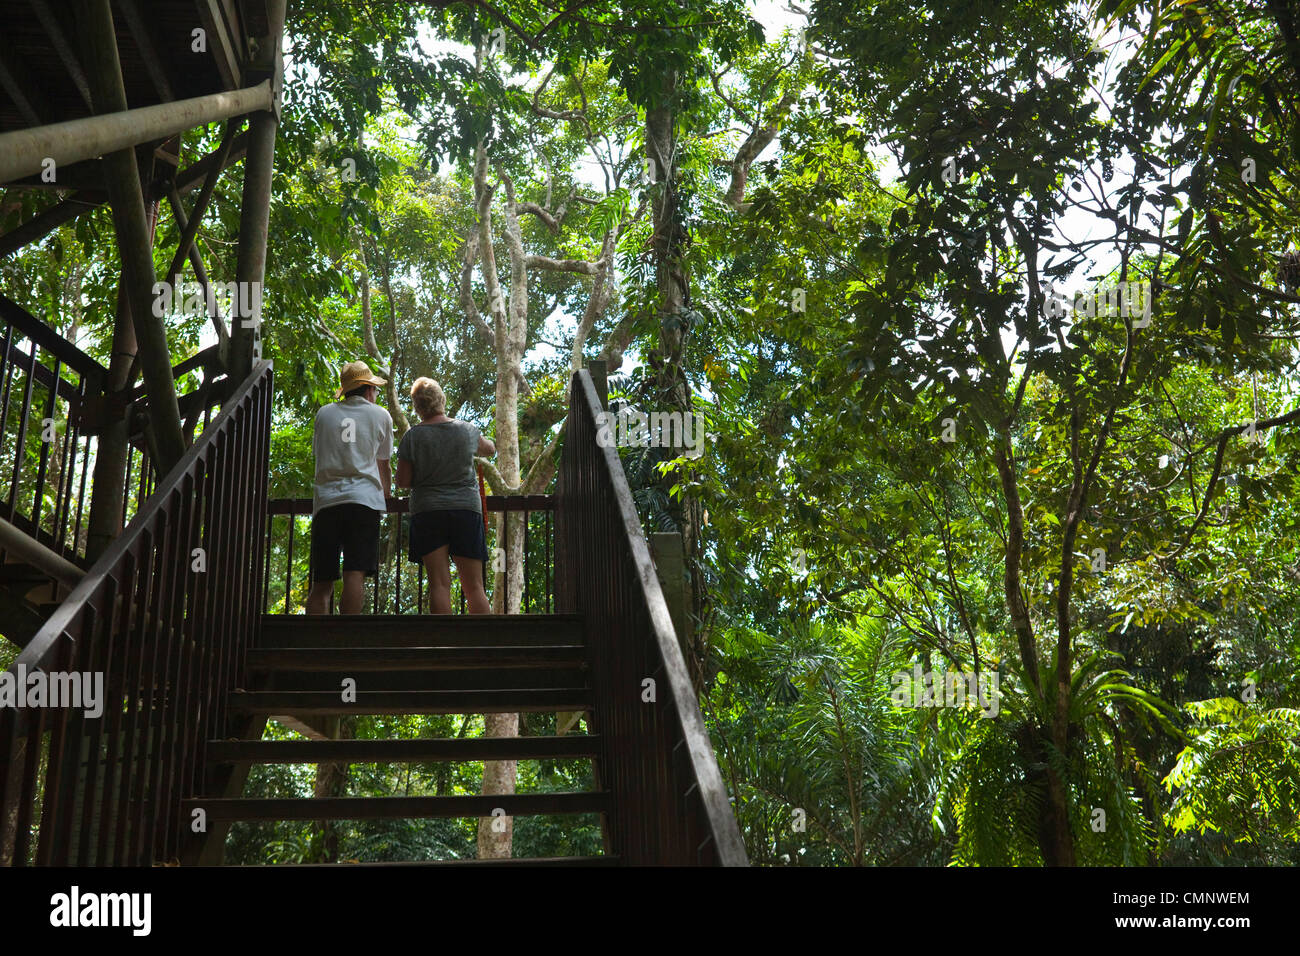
168	742
126	484
228	584
8	369
288	566
142	488
266	576
119	666
51	415
10	759
160	564
35	743
67	462
102	651
379	574
20	445
232	635
77	545
189	665
212	609
141	599
58	791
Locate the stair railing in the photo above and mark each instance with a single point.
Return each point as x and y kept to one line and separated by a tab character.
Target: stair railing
668	801
400	586
45	383
52	411
162	619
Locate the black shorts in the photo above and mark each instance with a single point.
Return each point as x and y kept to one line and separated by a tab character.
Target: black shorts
350	528
458	527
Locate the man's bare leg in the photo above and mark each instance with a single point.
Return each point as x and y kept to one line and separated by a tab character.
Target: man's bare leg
318	598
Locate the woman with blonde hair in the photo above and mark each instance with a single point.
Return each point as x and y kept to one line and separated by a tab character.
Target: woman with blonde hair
435	459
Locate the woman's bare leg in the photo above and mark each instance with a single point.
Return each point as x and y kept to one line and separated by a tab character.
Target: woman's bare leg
435	563
471	584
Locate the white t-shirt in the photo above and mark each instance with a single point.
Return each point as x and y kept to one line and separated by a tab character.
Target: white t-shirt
350	438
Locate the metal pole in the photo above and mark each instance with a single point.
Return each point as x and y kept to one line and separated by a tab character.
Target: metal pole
133	236
38	556
186	181
255	214
105	521
23	152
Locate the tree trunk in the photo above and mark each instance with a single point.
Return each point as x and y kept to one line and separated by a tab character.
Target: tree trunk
671	387
332	781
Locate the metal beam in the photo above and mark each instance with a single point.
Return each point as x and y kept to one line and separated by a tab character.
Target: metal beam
31	551
64	49
15	79
153	63
134	239
87	174
254	220
104	523
188	230
187	179
193	175
187	248
42	225
221	44
23	151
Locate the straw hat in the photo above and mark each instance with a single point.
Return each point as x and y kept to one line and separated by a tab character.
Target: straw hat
354	374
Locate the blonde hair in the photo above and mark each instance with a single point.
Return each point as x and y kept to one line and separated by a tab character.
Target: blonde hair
428	398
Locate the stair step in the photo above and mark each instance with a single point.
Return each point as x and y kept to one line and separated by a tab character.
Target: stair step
16	574
412	702
403	751
381	808
413	658
418	630
510	861
488	678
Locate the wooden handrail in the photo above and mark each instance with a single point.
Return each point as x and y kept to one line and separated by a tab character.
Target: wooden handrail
40	645
401	506
162	621
399	593
44	336
670	805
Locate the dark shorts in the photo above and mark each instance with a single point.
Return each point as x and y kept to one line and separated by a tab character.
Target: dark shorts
460	528
352	529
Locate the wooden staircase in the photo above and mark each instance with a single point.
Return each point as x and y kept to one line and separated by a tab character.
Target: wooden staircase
194	668
404	664
28	596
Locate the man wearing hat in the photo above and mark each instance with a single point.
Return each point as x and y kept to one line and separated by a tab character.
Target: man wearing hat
353	443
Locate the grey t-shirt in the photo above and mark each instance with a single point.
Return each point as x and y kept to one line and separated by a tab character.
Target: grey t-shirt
442	466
